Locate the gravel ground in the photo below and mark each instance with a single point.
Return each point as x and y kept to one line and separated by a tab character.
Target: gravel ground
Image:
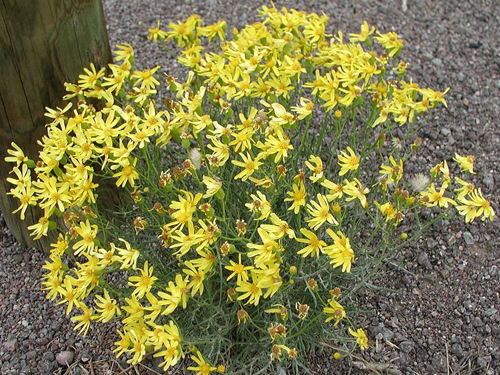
437	308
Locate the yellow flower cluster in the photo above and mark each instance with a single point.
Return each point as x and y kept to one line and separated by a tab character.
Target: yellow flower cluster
244	187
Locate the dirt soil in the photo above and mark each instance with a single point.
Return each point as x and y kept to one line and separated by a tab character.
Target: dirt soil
436	309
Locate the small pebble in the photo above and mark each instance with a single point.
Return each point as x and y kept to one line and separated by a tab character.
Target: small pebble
475	45
488	181
424	261
469	240
457	350
437	61
491	311
65	358
49	356
11	345
406	346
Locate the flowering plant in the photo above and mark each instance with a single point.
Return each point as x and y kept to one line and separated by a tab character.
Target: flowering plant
259	194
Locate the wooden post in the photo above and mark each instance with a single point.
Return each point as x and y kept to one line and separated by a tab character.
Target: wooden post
43	43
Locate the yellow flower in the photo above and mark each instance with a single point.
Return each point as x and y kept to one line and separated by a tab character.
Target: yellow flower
88	275
146	78
348	162
182	210
216	30
16	155
144	282
335	310
259	206
123	52
90	79
185	241
243	139
201	123
484	206
278	145
292	67
466	187
134	309
154	33
278	228
335	190
177	293
314	30
127	256
252	290
387	209
39	229
203	368
282	117
206	260
315	164
213	186
128	173
466	162
434	96
23	178
197	277
351	94
171	355
467	209
106	307
60	246
265	182
239	270
314	244
84	319
53	283
297	196
122	345
87	234
305	109
26	196
394	172
320	212
390	42
52	193
366	31
361	338
355	190
278	309
266	251
69	294
138	348
221	152
249	166
183	32
340	252
432	197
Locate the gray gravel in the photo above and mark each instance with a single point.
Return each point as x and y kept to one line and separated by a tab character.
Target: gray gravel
443	314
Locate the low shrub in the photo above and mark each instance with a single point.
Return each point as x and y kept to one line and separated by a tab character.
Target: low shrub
259	194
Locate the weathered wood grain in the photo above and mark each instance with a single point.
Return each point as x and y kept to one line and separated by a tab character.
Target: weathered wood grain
43	43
